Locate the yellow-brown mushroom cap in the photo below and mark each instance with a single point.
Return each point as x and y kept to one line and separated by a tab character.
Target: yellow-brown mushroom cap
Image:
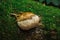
27	20
23	15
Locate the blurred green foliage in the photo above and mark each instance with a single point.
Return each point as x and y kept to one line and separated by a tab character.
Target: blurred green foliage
8	27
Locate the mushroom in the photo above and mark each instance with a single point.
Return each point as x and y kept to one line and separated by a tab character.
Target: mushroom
27	20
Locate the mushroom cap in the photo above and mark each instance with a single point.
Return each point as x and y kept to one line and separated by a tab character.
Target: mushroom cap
27	20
